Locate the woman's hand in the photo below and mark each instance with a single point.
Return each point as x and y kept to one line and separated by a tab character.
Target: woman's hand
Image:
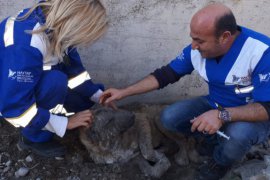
83	118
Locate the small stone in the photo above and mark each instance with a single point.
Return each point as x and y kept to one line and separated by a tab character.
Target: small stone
73	178
6	169
48	173
29	159
8	163
23	171
19	148
267	171
9	174
267	160
59	158
77	159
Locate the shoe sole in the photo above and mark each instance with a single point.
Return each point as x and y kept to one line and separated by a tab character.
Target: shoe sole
22	147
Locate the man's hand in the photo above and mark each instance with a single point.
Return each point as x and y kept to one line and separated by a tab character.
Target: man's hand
207	122
111	95
83	118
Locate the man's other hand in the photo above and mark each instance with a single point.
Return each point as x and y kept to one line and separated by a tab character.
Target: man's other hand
111	95
207	122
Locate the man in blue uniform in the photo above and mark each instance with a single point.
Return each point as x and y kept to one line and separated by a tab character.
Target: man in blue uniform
41	74
235	63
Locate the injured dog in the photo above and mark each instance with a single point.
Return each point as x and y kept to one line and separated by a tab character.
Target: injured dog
118	136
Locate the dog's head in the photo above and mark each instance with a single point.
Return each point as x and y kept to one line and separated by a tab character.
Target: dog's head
111	138
109	122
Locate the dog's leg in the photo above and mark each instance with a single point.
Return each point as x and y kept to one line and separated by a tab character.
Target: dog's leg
159	160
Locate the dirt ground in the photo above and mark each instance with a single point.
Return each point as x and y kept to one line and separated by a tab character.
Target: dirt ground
75	166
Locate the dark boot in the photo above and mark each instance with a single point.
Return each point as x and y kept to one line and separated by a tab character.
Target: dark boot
211	171
47	149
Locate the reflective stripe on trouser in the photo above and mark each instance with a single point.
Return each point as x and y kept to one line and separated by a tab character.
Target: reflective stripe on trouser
24	119
51	92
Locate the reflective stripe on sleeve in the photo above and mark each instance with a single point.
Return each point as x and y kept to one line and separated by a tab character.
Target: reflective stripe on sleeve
47	68
9	32
24	119
78	80
59	109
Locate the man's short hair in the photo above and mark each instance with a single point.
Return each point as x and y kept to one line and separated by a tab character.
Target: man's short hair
224	23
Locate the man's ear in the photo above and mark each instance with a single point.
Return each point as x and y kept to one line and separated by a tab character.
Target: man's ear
225	37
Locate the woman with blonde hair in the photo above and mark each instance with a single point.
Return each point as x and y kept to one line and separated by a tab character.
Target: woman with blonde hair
41	73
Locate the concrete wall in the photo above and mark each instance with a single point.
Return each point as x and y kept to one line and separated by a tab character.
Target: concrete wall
145	34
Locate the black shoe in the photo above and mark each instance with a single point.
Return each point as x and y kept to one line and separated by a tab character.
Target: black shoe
47	149
211	171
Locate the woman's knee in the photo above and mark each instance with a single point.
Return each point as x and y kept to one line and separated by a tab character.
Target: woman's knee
52	86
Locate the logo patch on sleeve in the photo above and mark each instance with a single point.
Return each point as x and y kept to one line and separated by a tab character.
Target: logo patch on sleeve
264	77
181	56
21	76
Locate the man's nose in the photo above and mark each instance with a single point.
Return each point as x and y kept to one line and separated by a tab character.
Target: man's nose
194	45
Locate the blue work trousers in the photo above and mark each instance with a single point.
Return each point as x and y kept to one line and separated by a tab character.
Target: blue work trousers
51	91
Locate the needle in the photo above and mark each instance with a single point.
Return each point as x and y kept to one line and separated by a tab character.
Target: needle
223	135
